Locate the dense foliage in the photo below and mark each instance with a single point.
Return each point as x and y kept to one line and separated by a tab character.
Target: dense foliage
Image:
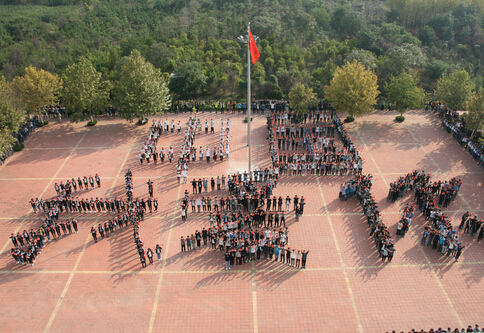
301	41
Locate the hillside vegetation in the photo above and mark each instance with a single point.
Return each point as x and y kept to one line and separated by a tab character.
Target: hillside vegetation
301	41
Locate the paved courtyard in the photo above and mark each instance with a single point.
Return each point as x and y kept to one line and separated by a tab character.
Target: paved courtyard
77	285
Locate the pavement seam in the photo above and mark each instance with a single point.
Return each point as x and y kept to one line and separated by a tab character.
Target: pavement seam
415	237
255	316
79	257
26	217
165	256
235	271
342	264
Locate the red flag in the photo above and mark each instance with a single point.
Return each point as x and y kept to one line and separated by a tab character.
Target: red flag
254	52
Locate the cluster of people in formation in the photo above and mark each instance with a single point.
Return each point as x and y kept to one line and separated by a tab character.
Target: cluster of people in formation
426	189
360	186
195	105
244	195
321	154
83	184
149	150
469	329
92	205
471	225
438	232
242	246
189	151
403	225
29	244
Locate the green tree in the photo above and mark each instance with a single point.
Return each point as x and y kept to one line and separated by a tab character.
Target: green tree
363	57
346	22
405	57
403	91
454	90
84	91
142	88
353	89
475	115
37	88
300	97
188	80
10	115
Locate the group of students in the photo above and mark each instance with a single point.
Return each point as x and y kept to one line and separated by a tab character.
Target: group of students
421	181
92	205
361	187
83	183
227	106
455	124
149	149
472	226
323	157
440	235
469	329
28	244
243	246
245	202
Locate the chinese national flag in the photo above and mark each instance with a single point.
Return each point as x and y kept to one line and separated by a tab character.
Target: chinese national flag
254	52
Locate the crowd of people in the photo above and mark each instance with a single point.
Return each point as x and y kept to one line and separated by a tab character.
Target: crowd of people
93	205
360	186
439	233
258	106
83	184
320	154
469	329
426	190
455	124
242	246
29	244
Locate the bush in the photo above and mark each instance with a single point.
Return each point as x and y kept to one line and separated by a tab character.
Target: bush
39	125
18	147
142	121
46	122
245	120
399	118
92	123
349	119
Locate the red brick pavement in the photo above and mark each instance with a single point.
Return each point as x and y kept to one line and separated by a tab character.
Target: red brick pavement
78	285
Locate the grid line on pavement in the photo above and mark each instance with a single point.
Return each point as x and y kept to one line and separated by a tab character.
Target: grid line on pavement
163	267
341	261
45	189
81	253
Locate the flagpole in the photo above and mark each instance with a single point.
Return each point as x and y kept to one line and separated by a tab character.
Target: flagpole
249	143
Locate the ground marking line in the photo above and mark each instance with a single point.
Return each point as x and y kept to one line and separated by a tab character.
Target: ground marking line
342	264
263	270
163	267
255	316
45	190
79	257
417	241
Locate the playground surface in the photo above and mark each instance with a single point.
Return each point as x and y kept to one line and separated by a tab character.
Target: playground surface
77	285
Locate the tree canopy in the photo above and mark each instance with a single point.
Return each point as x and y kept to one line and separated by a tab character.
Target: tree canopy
301	97
353	89
188	80
475	115
84	91
454	90
142	89
404	92
37	88
300	41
